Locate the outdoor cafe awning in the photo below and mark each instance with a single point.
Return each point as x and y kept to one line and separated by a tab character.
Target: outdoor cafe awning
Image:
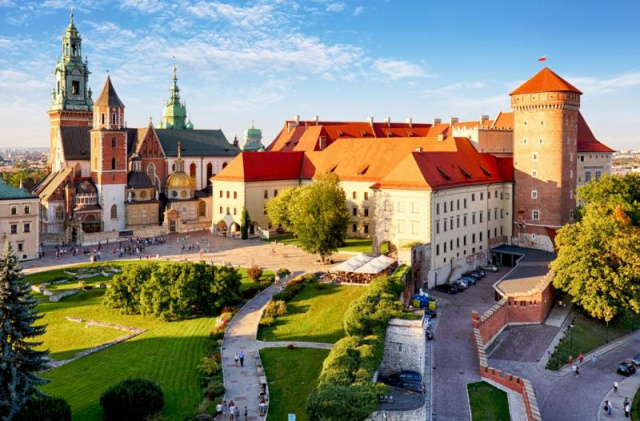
352	264
376	265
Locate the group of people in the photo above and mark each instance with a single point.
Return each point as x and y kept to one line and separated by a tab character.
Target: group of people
135	246
626	406
230	411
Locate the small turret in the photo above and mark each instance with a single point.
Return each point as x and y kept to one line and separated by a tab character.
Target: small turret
174	115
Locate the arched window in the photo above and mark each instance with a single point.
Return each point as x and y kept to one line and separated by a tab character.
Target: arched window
202	208
78	170
151	172
113	143
209	173
114	212
113	118
103	118
192	172
224	165
113	163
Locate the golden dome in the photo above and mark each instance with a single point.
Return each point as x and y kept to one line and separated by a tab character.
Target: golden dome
179	179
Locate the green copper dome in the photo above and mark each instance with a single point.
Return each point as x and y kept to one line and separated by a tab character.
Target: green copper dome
174	115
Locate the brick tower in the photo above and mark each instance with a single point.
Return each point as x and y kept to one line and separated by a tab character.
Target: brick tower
71	102
109	157
546	110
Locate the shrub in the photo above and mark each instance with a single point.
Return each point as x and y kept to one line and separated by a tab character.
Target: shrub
132	399
250	290
282	272
320	286
334	402
214	389
264	284
291	347
267	321
210	366
45	408
254	272
203	417
275	309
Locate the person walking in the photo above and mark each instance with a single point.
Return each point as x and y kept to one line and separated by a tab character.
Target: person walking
246	413
609	408
574	368
236	358
593	360
232	411
578	372
219	411
225	409
580	358
627	409
241	356
615	386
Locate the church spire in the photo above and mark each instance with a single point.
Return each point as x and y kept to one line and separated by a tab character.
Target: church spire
174	115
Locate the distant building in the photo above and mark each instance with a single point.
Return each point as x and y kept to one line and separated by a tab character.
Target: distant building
19	214
253	140
108	180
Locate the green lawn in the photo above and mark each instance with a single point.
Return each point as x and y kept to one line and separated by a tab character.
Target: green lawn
167	353
359	245
635	406
488	403
313	315
292	375
588	334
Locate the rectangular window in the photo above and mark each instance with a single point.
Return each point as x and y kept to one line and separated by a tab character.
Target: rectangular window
501	213
366	229
488	234
444	225
488	216
354	195
264	210
27	210
473	238
366	212
235	194
458	221
496	195
437	227
437	209
464	240
481	196
464	201
501	196
235	212
598	174
227	194
464	220
14	210
495	232
535	215
451	245
354	228
221	210
20	246
473	197
535	156
228	213
473	218
501	231
451	224
220	194
275	193
480	234
445	207
451	206
27	227
534	194
355	211
366	195
266	194
458	242
437	249
481	217
445	246
14	228
458	204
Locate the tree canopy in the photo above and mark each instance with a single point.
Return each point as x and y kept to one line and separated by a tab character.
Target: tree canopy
317	214
598	260
19	360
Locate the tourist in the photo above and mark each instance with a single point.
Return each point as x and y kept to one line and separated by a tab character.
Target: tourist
615	386
246	413
627	409
237	357
574	368
609	408
232	411
578	372
241	358
225	409
580	358
593	360
219	410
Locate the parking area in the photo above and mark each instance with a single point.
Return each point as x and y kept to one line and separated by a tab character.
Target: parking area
454	362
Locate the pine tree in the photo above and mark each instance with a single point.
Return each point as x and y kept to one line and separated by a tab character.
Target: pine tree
19	360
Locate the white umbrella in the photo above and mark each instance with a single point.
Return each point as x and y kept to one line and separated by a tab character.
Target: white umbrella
376	265
352	264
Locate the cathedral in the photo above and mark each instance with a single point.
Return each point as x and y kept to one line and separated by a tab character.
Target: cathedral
108	180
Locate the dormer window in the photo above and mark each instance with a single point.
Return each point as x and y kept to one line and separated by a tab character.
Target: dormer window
75	87
103	119
113	118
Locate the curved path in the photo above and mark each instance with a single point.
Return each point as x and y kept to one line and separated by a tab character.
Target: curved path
242	383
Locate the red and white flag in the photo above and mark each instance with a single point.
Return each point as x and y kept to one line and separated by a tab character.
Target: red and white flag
543	58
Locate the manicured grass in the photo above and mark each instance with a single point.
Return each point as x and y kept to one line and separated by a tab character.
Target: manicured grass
359	245
635	406
292	376
314	315
488	403
588	334
167	353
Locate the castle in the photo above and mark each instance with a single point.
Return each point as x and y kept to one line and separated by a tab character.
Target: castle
441	194
108	180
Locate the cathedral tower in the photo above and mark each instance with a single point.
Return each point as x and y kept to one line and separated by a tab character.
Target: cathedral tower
174	115
71	103
109	157
545	110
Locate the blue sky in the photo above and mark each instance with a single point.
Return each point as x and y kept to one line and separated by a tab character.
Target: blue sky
268	61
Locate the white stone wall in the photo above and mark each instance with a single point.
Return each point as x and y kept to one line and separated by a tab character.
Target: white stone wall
112	194
404	347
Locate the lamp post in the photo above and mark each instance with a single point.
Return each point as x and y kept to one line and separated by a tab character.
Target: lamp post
607	317
571	339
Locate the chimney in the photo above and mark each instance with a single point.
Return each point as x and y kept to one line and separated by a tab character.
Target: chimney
440	137
316	119
483	118
322	143
453	120
437	121
409	121
419	149
388	121
297	119
370	121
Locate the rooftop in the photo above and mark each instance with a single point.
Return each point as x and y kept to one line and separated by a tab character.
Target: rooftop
8	193
529	274
545	81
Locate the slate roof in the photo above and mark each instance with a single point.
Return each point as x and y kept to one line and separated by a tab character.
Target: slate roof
196	143
76	143
139	180
56	181
108	97
8	193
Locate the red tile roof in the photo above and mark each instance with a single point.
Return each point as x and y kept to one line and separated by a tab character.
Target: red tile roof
587	142
503	121
262	166
545	81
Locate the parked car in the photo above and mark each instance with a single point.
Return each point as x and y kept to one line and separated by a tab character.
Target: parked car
470	279
448	288
430	313
473	275
407	380
480	273
460	284
626	368
464	281
636	359
489	268
428	334
408	375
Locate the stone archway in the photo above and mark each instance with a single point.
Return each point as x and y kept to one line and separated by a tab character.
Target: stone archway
386	247
221	228
235	227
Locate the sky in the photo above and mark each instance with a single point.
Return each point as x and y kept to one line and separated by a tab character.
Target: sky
266	61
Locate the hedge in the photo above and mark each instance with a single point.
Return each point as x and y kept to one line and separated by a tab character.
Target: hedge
132	400
45	408
345	387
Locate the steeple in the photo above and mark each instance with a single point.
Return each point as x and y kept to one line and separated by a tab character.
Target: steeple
108	112
72	74
174	115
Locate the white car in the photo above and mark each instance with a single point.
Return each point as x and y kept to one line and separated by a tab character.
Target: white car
489	268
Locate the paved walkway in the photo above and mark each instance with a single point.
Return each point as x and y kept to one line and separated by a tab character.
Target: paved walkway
626	389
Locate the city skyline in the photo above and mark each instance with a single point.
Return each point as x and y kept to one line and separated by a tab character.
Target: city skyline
266	61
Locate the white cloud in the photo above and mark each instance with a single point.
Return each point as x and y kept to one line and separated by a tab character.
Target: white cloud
398	69
449	89
593	85
358	11
143	6
335	7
